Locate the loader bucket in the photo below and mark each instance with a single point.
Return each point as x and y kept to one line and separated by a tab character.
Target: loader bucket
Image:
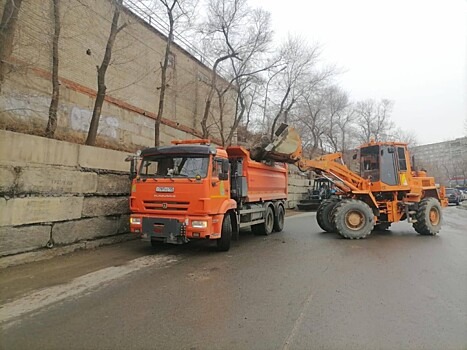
286	146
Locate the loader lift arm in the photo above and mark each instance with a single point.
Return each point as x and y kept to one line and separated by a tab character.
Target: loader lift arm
287	148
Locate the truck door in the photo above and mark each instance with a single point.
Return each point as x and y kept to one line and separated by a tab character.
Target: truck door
219	187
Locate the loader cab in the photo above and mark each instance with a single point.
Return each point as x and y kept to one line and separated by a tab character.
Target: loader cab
386	163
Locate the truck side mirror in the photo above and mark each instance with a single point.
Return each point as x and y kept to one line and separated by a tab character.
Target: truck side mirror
132	169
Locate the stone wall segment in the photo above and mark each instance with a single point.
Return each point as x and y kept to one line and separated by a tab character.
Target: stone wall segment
22	239
29	210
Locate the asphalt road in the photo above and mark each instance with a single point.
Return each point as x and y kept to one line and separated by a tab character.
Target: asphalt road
300	289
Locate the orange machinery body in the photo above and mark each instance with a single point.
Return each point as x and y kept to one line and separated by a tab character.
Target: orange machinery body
388	190
194	207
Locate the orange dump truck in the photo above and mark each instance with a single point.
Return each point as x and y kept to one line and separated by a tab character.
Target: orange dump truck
195	190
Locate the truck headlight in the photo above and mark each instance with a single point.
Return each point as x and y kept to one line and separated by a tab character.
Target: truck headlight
199	224
135	221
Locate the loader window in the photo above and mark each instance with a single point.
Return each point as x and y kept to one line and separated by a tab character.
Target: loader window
388	166
402	161
369	162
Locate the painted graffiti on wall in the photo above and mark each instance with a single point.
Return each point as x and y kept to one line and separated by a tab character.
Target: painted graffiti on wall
81	119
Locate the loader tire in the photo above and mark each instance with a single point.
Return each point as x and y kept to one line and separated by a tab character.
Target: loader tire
223	243
279	219
429	217
353	218
324	215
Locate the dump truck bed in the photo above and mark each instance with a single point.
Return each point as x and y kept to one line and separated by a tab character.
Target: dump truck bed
264	181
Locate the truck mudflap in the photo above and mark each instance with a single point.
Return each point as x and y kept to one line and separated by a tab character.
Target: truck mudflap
164	230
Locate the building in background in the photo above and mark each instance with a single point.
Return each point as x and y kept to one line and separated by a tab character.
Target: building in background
447	161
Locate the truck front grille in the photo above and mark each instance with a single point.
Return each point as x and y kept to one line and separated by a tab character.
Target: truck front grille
165	205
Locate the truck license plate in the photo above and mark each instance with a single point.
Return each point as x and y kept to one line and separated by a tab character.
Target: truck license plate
164	189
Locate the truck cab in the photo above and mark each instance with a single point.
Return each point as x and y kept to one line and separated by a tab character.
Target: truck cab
180	192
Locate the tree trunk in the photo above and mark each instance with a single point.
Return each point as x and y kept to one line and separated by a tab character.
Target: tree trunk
101	87
7	34
165	65
207	106
52	123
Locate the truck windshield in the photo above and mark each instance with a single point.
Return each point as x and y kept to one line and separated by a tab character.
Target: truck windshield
160	166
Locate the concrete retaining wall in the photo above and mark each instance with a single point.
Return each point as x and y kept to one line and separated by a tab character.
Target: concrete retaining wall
298	187
57	192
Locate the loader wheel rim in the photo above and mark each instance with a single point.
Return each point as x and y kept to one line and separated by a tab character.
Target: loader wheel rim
434	216
355	220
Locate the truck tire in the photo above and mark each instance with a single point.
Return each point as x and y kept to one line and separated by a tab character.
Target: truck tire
279	219
323	215
429	217
223	243
267	226
353	219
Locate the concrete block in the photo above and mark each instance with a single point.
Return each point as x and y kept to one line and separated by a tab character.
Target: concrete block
102	206
29	210
113	184
101	158
78	230
7	178
124	224
16	148
56	180
15	240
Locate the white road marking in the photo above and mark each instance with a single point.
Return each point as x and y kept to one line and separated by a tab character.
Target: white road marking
297	323
78	286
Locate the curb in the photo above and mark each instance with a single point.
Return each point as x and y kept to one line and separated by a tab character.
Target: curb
45	254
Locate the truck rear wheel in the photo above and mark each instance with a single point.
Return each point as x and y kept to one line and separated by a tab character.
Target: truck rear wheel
429	217
324	215
353	219
279	219
267	226
223	243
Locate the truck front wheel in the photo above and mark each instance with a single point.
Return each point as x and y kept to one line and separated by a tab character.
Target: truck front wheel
223	243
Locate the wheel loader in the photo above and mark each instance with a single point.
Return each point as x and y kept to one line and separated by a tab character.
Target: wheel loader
387	189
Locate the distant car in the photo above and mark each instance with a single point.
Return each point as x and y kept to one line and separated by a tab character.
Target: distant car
464	195
454	195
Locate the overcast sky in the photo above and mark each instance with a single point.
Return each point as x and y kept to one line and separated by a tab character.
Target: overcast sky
410	51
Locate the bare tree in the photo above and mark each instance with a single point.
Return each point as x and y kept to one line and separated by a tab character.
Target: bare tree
238	38
374	119
101	71
402	135
300	75
52	122
7	34
337	121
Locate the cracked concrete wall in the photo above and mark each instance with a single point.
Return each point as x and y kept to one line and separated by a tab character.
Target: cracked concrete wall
57	191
